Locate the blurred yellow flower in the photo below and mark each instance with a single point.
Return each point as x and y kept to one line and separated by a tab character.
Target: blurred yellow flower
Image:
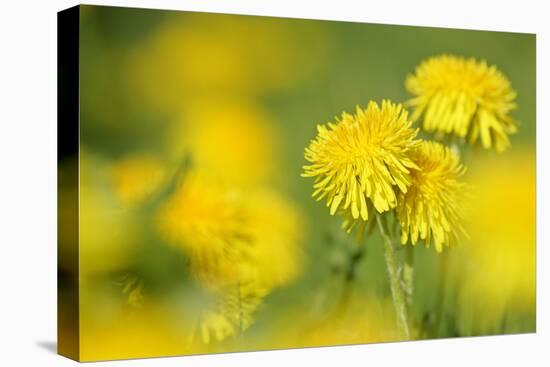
240	247
137	178
230	236
275	228
225	138
208	223
362	156
464	98
431	208
498	275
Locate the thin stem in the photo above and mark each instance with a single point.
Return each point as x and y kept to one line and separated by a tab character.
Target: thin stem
440	297
408	277
398	297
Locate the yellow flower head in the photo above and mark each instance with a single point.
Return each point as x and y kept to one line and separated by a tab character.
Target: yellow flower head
208	131
464	98
230	237
239	248
362	156
431	206
208	223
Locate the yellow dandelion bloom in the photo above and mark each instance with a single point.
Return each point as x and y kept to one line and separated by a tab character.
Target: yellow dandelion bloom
208	223
229	236
137	178
239	247
465	98
208	131
431	206
362	156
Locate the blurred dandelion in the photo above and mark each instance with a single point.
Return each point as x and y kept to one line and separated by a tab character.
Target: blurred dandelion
361	158
272	260
208	130
239	247
431	208
465	98
209	224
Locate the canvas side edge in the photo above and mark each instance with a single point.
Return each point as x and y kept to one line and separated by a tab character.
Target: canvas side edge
68	320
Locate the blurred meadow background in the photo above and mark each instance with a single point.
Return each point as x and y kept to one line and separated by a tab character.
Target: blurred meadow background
223	106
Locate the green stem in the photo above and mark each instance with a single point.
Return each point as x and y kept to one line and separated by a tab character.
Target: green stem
398	297
440	297
408	277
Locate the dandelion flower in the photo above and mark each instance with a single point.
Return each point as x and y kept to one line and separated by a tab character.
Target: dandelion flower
362	159
431	206
465	98
240	247
231	237
207	222
208	131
